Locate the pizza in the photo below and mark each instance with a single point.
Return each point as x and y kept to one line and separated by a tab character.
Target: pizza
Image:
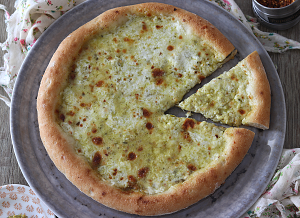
240	96
102	102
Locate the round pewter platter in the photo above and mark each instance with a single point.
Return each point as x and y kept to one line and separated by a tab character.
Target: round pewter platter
241	189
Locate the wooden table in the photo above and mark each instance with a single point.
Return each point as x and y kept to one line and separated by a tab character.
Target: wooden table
288	67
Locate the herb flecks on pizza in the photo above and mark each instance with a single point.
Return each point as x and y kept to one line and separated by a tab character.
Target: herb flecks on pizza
240	96
101	110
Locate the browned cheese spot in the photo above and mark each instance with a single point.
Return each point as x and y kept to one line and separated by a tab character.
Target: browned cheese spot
241	111
82	104
159	81
140	148
71	113
126	39
62	117
144	27
149	126
179	148
146	113
192	167
94	130
115	172
115	40
131	179
157	72
97	159
180	37
97	140
131	156
158	27
212	104
170	47
99	83
188	123
143	172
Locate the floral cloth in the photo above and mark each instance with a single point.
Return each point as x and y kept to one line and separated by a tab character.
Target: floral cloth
31	19
282	197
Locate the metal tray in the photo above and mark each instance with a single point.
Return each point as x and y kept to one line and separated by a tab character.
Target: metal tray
232	199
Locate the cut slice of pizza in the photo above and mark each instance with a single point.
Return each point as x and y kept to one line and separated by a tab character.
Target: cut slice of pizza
239	96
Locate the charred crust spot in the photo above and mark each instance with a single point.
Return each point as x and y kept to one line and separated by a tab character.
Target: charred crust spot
241	111
204	27
262	93
188	123
131	156
175	9
170	47
157	72
103	193
192	167
117	12
97	140
97	159
146	113
143	172
183	20
62	117
99	83
149	126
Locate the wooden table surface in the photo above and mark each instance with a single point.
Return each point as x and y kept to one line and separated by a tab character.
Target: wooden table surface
288	67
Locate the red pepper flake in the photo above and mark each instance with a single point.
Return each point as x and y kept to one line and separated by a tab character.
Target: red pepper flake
275	3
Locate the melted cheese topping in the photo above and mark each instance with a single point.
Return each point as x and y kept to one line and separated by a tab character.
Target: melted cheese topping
225	99
118	91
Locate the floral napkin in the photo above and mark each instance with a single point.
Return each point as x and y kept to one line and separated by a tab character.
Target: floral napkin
31	19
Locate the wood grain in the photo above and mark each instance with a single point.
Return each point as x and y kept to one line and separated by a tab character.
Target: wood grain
288	65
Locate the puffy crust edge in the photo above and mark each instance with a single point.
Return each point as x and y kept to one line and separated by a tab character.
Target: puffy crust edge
260	88
76	169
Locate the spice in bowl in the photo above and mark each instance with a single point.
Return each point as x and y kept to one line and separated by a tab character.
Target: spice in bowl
275	3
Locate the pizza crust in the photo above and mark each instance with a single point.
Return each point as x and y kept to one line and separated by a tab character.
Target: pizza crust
260	114
59	145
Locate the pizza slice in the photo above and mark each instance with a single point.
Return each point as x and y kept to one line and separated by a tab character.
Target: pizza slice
240	96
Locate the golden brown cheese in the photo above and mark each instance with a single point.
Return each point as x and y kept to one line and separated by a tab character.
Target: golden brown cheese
114	104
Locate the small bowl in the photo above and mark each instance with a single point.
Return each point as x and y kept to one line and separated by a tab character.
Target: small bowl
277	18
